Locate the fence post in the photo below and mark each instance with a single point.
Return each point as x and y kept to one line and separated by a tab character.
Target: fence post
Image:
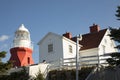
60	63
98	62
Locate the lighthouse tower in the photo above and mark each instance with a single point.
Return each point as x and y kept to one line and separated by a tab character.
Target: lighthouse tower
21	52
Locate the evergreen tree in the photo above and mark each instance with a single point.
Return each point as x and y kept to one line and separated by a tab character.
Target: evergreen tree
39	76
115	35
4	66
19	75
118	12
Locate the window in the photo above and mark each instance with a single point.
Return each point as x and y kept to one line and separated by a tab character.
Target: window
50	48
70	48
28	60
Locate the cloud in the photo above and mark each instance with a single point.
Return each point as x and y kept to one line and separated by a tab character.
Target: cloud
4	37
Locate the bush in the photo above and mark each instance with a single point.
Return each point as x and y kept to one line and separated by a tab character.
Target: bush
39	76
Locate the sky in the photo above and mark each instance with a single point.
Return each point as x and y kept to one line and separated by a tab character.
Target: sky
57	16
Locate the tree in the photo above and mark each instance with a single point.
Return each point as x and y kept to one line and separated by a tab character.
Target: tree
4	66
115	35
115	32
39	76
115	60
118	12
19	75
2	54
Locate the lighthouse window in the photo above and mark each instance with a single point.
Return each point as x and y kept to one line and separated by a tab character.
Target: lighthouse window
50	48
22	36
28	60
18	35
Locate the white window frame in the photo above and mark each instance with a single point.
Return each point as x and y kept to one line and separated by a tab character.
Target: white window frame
50	48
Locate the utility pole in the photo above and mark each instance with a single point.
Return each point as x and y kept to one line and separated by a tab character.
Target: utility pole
79	38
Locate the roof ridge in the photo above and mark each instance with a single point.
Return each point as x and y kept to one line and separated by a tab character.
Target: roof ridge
95	32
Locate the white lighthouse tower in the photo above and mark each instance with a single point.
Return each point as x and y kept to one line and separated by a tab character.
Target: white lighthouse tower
21	53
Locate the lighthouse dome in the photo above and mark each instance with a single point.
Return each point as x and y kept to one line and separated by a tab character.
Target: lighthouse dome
22	37
22	28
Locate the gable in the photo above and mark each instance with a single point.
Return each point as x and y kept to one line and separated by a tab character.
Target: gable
48	34
91	40
107	44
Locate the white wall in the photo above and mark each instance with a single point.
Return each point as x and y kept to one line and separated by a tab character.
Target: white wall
89	52
66	53
35	69
57	48
107	45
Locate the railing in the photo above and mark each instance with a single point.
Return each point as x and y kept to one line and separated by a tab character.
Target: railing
30	45
45	73
70	63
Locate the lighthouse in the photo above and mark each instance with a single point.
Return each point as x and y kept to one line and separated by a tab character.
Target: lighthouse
21	52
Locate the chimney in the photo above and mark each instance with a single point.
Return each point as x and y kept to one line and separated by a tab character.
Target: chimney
94	28
68	35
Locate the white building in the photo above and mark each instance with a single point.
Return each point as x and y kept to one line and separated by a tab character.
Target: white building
52	47
97	42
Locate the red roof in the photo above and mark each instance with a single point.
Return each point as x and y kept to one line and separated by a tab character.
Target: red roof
91	40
